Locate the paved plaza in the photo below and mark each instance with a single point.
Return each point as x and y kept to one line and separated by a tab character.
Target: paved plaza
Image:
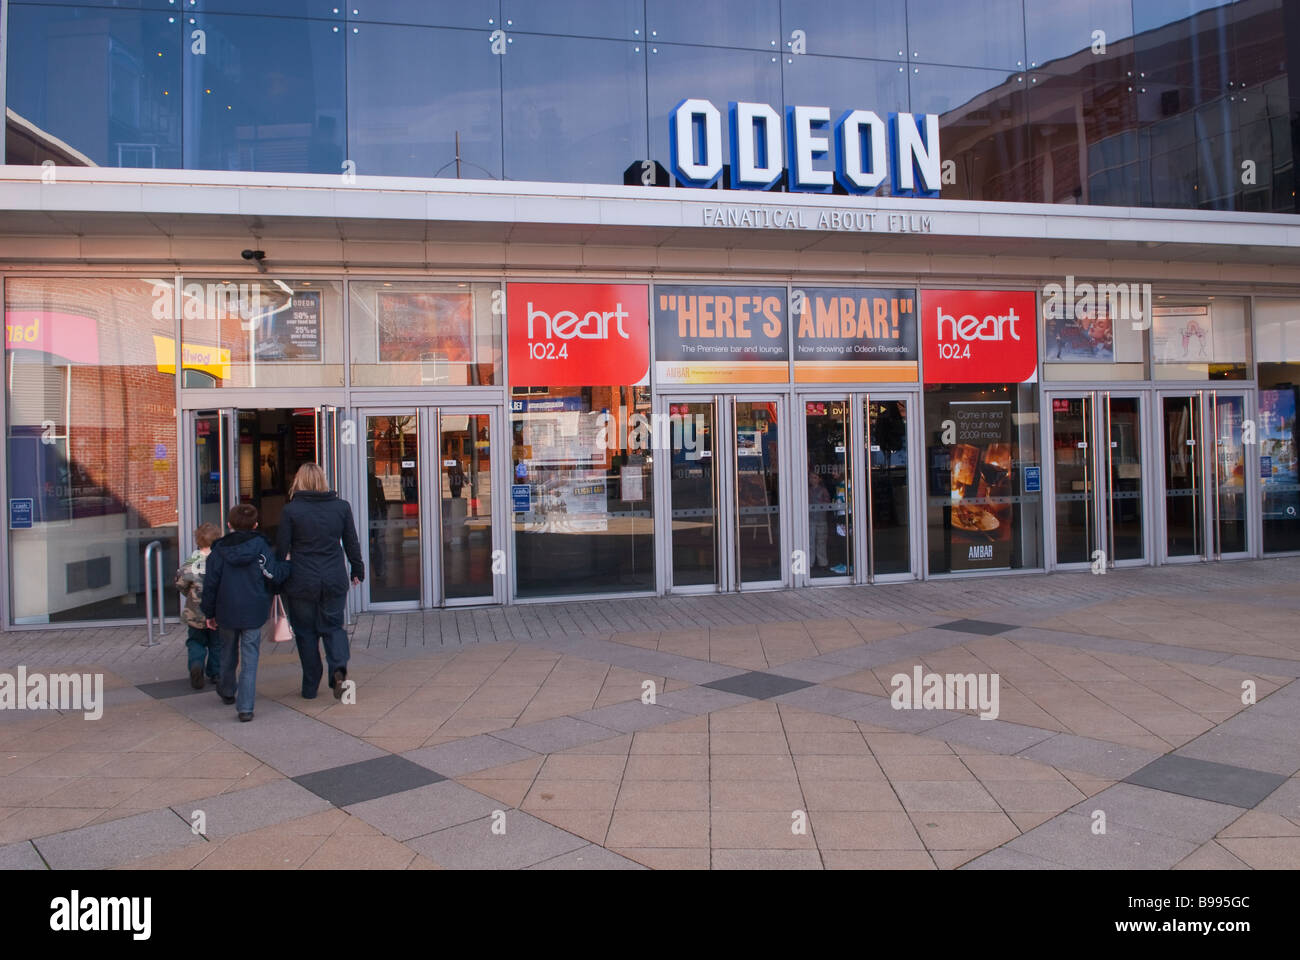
518	737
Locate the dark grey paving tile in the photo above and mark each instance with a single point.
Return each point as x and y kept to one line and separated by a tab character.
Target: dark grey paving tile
697	700
367	779
1206	780
1068	839
21	856
590	857
758	685
552	736
998	736
228	814
166	689
1086	755
985	628
631	716
473	846
426	809
1169	814
117	842
469	755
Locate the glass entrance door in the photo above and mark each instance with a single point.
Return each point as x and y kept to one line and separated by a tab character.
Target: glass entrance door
725	489
1207	513
847	480
1097	478
430	508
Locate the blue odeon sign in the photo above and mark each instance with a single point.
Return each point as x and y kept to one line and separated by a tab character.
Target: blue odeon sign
867	150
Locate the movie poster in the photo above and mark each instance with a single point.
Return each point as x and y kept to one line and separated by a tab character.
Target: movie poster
1085	337
981	460
416	327
1182	334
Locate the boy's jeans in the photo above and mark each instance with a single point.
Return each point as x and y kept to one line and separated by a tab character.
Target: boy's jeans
204	650
237	645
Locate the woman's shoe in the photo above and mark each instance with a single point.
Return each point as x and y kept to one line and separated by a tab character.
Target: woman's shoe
196	677
245	717
227	700
339	676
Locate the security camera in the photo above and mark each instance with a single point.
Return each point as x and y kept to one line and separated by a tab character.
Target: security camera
258	255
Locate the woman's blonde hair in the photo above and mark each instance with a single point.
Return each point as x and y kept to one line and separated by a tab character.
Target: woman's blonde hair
310	476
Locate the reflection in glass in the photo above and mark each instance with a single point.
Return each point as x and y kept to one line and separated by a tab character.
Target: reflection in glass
1182	435
269	94
758	494
754	24
830	530
1229	472
1072	450
258	332
582	496
891	547
574	109
210	433
421	333
92	457
694	494
847	28
1127	541
393	507
466	494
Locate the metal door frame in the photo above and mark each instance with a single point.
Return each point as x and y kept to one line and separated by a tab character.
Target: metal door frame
664	492
865	490
435	579
228	440
1100	444
362	414
1251	522
725	480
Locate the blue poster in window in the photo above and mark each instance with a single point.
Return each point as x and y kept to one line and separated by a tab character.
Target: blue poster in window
1033	479
20	513
521	494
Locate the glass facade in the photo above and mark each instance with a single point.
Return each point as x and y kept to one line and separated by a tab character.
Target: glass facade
1166	103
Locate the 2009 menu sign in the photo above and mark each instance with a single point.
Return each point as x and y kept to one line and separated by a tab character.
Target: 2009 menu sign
715	334
845	334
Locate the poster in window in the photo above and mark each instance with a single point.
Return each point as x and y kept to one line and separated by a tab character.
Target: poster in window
291	329
1182	334
415	327
981	485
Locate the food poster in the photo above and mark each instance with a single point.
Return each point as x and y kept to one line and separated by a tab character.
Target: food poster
980	459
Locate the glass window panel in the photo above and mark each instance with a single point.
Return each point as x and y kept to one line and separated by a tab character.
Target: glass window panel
755	24
101	81
1056	33
980	516
615	19
417	333
297	9
1080	132
268	95
848	28
720	76
1279	439
1205	338
830	527
261	333
92	446
694	494
485	14
842	85
1277	330
411	90
574	109
975	33
588	526
971	103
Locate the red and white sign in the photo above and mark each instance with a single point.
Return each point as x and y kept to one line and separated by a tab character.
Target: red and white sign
979	336
578	334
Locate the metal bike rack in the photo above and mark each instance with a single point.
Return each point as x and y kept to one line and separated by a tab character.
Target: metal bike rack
154	548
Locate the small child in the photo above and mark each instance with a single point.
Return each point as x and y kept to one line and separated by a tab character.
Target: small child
237	601
201	645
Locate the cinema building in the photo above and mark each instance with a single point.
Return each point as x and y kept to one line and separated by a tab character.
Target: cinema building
612	298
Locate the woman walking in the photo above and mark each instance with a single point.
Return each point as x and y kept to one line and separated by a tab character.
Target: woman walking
316	531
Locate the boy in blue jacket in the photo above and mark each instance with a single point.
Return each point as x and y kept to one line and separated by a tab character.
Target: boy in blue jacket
237	601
